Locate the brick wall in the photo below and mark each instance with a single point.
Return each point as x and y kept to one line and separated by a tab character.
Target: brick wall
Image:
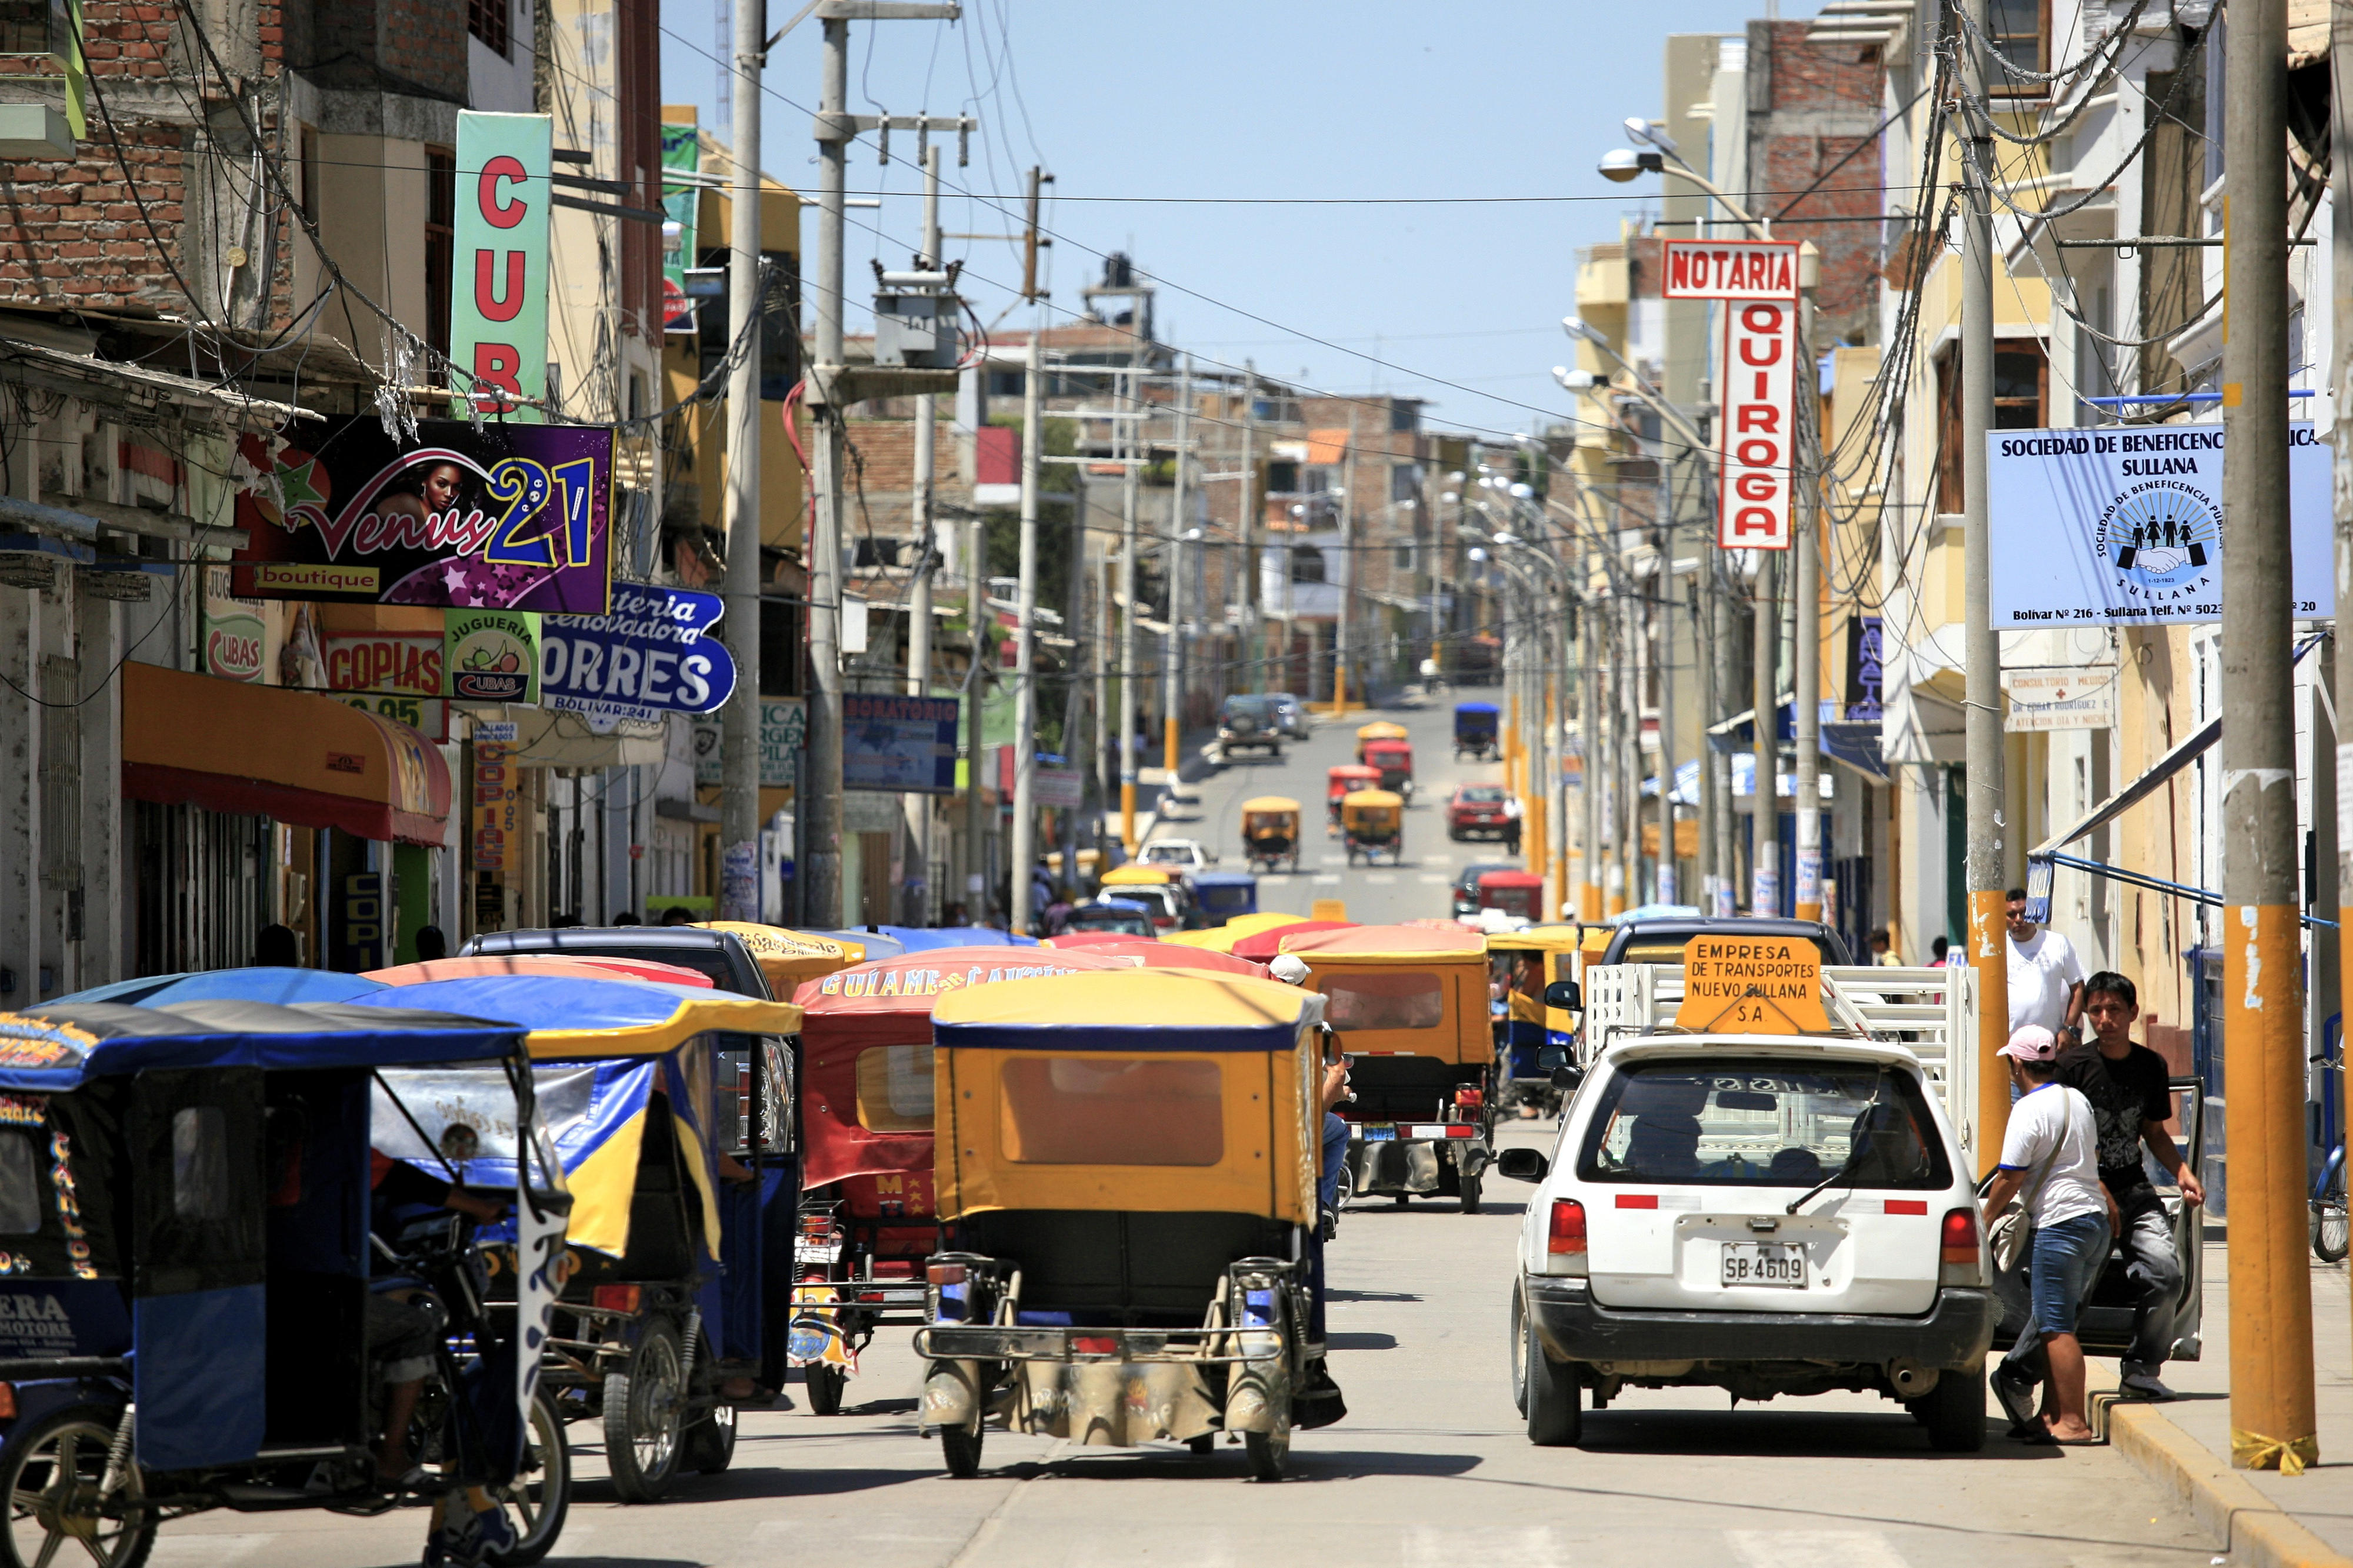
421	41
1810	106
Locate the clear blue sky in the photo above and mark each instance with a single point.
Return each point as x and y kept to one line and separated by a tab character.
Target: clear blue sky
1280	99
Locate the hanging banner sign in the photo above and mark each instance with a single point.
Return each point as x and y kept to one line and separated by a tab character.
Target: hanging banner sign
784	726
498	266
2122	525
1757	444
508	517
681	150
1729	269
647	656
492	655
906	745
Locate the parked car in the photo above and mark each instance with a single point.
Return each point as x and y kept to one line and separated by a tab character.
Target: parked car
1466	886
1484	811
1128	917
1184	855
1763	1215
1289	715
1248	721
720	954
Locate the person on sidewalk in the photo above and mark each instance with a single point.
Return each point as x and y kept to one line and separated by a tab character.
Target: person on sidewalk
2046	978
2050	1159
2126	1084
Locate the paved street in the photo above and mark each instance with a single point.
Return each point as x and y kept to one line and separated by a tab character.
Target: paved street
1429	1468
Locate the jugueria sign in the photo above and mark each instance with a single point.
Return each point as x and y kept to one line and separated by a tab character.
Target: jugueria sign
1756	283
498	287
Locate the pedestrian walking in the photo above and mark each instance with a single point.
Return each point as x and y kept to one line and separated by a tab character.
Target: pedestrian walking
2050	1162
2126	1083
1883	948
2046	978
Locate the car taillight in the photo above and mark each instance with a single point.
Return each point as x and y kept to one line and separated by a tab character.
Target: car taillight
616	1297
1564	1237
1957	1250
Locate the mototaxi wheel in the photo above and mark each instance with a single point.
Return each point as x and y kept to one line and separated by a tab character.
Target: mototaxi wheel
709	1446
537	1501
2329	1227
961	1451
53	1497
1470	1185
644	1411
1202	1444
823	1385
1270	1451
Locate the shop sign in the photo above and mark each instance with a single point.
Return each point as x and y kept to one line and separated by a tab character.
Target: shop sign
2122	525
507	517
2061	699
648	656
491	655
1757	443
495	841
499	264
236	635
359	921
429	716
905	745
406	664
681	150
1729	269
783	727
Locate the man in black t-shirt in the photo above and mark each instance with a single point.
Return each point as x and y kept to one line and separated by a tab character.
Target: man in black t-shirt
2127	1086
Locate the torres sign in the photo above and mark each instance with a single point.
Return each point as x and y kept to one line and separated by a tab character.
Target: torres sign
1756	281
1751	985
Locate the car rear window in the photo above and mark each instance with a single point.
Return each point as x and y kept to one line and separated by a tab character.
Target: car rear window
1734	1122
1489	793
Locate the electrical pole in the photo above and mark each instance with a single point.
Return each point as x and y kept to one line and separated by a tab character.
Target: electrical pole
1172	674
1340	626
1806	595
975	685
1765	725
739	792
2340	181
1590	771
1253	643
1719	763
1989	943
1021	854
1630	742
1666	882
1130	754
918	631
2271	1394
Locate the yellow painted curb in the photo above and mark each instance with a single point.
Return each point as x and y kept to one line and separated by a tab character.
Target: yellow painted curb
2254	1529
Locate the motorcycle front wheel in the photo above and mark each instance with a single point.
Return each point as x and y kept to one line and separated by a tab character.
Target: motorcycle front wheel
539	1497
55	1512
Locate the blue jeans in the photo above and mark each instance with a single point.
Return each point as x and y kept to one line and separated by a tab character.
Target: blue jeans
2062	1263
1336	1154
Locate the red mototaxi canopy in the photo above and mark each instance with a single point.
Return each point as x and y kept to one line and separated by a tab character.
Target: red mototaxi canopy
1263	945
1155	954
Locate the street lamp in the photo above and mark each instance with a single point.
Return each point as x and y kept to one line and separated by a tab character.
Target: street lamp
1660	156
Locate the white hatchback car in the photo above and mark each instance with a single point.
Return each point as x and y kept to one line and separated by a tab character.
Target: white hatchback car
1763	1215
1184	855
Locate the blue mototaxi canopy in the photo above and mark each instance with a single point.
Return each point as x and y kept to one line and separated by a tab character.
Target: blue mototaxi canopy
1203	879
59	1045
876	944
547	1002
924	939
1476	710
284	986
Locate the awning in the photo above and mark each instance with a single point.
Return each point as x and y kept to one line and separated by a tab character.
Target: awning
262	751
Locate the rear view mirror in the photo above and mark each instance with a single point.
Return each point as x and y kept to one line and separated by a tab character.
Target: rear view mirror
1566	1078
1564	996
1522	1164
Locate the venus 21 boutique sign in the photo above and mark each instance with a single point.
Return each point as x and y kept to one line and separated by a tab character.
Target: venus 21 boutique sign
2124	525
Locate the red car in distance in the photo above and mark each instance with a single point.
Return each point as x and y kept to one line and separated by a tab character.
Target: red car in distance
1482	811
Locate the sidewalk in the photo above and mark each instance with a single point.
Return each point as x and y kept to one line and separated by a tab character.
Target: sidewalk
2266	1518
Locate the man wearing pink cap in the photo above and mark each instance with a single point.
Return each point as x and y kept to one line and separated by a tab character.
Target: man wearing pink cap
2051	1153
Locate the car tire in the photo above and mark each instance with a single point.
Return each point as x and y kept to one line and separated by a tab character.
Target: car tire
1549	1398
1955	1410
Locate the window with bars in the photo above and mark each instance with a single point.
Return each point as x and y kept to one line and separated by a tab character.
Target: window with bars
493	21
2020	31
440	242
2020	395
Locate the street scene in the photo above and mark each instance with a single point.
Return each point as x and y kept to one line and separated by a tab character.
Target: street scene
967	782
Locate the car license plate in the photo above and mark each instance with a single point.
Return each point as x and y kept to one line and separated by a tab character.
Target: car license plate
1764	1263
1380	1134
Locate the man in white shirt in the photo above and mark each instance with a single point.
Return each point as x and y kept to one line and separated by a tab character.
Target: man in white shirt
2050	1152
2046	978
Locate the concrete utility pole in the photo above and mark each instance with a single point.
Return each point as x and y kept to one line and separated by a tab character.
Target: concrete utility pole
1806	595
1589	896
1765	725
1172	672
1253	641
1021	855
918	631
1130	757
1340	626
2271	1395
739	726
2340	181
1630	732
1666	875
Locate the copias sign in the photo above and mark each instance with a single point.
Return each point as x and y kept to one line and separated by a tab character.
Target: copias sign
498	284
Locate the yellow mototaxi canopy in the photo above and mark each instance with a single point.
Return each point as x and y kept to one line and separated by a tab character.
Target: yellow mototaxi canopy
1133	876
1146	1090
1270	803
1221	939
1402	990
700	1013
1383	731
790	957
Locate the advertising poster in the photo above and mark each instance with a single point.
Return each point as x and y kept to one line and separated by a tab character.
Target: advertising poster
648	656
239	644
681	150
784	728
2122	525
497	825
491	655
499	266
510	517
905	745
1758	442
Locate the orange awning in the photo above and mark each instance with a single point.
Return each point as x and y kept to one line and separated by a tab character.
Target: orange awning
262	751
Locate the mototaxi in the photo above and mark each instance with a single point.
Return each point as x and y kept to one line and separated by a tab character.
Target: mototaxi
1409	1005
1394	758
1343	781
1519	894
1156	888
1270	831
1477	726
670	1109
1130	1193
1533	1039
1224	895
186	1199
867	1216
1380	730
1372	824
